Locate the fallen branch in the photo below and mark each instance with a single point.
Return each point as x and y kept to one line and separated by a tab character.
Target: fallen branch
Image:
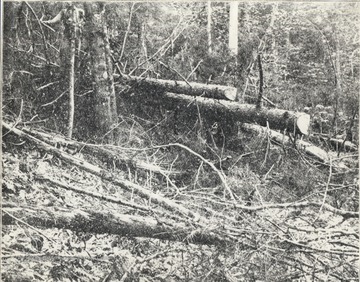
302	205
108	223
219	173
97	150
127	32
104	174
92	194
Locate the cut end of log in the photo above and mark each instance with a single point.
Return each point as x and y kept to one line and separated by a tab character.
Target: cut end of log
230	93
303	123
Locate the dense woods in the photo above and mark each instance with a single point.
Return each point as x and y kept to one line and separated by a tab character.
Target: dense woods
180	141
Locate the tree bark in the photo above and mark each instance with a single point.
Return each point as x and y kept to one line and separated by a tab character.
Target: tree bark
104	105
196	89
295	122
71	82
108	223
261	82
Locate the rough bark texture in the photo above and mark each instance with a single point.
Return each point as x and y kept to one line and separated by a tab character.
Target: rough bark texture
193	88
107	223
277	118
102	93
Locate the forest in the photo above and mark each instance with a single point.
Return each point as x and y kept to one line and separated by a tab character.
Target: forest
180	141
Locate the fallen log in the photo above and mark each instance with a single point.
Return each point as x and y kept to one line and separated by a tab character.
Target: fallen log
295	122
192	88
104	174
338	144
108	223
104	154
310	149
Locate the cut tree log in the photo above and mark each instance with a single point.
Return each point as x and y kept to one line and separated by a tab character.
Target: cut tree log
108	223
310	149
294	122
280	138
339	144
104	174
336	143
192	88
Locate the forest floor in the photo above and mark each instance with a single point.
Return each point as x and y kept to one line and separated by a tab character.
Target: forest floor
293	218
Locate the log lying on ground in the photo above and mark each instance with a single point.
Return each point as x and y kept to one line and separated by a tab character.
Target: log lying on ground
280	138
99	151
104	174
192	88
107	223
338	144
277	118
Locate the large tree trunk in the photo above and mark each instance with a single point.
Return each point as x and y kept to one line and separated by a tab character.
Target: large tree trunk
102	75
293	122
72	34
193	88
107	223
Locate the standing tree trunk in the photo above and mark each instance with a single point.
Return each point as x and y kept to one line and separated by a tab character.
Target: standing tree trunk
209	27
104	94
233	27
71	81
261	82
338	92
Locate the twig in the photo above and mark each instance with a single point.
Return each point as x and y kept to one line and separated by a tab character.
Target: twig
47	256
53	101
167	41
28	225
270	102
219	173
304	204
326	191
18	119
174	70
127	32
47	85
198	64
41	29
